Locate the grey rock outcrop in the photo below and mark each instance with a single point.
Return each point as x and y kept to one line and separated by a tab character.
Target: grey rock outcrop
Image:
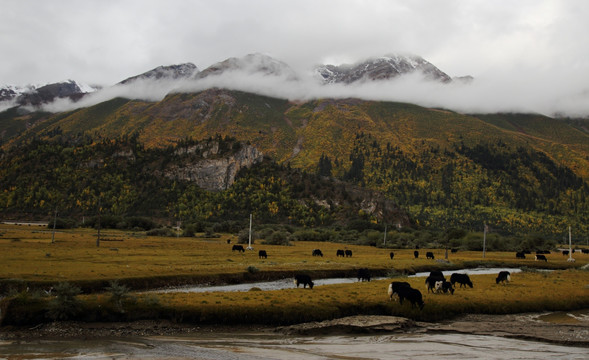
213	172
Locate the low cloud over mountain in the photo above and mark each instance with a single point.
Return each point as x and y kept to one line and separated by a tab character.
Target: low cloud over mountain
388	78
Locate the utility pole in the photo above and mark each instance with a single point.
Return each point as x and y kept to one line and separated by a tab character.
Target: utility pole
570	247
385	235
249	244
99	211
484	239
54	221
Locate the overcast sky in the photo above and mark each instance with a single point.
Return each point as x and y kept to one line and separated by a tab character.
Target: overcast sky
539	47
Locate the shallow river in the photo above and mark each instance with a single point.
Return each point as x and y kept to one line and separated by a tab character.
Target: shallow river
257	346
288	283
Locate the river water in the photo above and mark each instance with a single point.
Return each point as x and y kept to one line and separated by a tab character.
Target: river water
259	346
288	283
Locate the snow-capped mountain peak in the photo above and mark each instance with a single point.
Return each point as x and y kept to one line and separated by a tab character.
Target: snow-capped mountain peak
251	64
35	95
171	72
380	68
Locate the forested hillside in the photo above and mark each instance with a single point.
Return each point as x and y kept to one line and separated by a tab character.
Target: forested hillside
121	177
516	190
519	173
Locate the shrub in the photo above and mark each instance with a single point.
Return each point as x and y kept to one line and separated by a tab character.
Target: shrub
252	269
190	230
473	242
228	226
141	222
118	222
118	294
243	236
63	223
66	304
370	237
315	235
277	238
161	232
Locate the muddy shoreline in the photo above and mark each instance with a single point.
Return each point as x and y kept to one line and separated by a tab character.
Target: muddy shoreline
532	326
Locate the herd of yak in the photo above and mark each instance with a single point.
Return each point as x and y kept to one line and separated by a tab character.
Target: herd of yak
435	282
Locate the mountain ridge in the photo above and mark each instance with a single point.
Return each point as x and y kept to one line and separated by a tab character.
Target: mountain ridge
381	68
518	172
36	95
170	72
290	131
253	66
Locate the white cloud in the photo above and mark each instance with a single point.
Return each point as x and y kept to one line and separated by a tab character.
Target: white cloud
530	49
525	92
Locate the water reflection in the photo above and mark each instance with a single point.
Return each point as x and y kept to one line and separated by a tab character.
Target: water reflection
288	283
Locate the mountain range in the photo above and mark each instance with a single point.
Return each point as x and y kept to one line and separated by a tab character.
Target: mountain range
372	69
519	172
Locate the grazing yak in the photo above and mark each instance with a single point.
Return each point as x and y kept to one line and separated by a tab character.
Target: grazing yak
453	251
429	255
504	277
238	248
585	251
317	252
392	255
565	252
432	279
348	253
363	274
303	279
430	283
541	257
520	255
416	254
395	286
411	294
339	253
462	279
262	254
444	286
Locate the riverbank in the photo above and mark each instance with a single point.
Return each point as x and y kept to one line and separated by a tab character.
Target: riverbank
564	328
528	291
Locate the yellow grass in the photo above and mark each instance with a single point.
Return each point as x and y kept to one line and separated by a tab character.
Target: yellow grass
26	253
528	291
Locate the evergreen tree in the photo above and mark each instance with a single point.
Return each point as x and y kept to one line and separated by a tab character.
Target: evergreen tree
324	167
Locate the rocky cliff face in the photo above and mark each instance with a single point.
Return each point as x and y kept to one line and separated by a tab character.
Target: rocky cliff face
212	170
